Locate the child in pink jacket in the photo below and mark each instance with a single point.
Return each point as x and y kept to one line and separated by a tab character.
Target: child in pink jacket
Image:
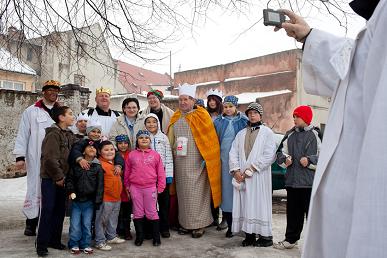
144	179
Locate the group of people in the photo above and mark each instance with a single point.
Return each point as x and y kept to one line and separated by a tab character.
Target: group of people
164	168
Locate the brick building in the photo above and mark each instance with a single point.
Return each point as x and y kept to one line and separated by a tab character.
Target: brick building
275	79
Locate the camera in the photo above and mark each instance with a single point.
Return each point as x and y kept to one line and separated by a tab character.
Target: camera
273	18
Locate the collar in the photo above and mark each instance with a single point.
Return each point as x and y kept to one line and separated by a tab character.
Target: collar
364	8
302	129
40	104
140	150
100	112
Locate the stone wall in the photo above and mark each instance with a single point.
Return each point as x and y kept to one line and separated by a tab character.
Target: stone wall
12	105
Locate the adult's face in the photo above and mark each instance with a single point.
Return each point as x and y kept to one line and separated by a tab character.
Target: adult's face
186	103
51	95
103	100
254	116
131	110
154	102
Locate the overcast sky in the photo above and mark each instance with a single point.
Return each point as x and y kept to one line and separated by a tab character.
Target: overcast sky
218	40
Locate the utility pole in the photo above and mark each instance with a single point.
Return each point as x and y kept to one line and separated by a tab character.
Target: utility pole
170	72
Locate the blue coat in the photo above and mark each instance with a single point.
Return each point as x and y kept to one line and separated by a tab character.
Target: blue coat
227	128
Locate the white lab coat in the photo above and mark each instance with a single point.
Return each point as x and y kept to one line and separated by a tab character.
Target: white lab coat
347	216
28	144
106	122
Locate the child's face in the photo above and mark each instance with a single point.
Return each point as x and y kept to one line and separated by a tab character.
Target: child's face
212	103
122	146
68	118
90	151
108	152
94	135
298	122
81	125
143	142
254	116
151	125
229	109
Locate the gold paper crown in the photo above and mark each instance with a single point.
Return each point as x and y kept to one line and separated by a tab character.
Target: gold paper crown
103	90
52	83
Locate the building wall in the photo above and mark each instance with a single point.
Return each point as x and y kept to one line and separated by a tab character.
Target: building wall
274	72
28	80
12	105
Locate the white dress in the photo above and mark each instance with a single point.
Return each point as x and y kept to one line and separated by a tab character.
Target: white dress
347	216
252	207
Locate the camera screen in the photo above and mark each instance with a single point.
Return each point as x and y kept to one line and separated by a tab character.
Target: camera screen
274	17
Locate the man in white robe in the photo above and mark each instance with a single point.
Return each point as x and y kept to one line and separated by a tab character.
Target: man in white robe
102	112
251	155
35	119
347	216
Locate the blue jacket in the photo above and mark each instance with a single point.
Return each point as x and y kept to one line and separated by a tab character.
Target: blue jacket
221	124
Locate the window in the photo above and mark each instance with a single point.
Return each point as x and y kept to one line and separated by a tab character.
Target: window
11	85
29	54
79	79
81	49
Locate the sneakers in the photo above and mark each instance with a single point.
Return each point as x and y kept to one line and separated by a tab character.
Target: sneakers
88	250
103	247
75	250
116	240
282	245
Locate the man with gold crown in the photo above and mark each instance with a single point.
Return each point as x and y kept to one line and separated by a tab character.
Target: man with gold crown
35	119
102	112
197	163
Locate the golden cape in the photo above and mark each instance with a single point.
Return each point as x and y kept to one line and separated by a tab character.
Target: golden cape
206	140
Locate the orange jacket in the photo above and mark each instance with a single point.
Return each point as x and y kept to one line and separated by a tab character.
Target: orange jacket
112	182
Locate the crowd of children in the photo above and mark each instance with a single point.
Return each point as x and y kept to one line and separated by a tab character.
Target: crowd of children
109	181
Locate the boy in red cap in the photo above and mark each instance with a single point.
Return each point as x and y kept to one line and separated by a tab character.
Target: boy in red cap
298	153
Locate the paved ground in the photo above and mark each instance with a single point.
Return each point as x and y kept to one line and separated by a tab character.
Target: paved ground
213	244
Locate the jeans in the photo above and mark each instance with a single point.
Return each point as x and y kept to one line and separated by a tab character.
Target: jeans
106	221
80	224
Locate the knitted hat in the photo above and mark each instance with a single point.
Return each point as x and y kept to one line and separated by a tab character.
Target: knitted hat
122	138
91	125
231	99
82	116
89	143
51	84
255	106
142	133
305	113
200	102
157	93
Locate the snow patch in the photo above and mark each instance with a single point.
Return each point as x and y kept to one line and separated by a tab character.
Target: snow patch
248	97
13	64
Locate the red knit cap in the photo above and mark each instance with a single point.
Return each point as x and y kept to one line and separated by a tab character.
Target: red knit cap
305	113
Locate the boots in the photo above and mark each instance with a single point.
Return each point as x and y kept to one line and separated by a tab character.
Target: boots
156	232
139	226
249	240
31	225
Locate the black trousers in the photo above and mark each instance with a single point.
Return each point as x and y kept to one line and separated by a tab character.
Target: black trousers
297	207
163	200
51	214
124	218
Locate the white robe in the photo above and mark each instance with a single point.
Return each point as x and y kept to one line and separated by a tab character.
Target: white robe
28	144
347	216
252	207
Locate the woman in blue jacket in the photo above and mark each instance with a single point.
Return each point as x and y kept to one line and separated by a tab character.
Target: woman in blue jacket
227	126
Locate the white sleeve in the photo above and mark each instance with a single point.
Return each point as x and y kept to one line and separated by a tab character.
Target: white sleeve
234	153
23	135
268	156
325	61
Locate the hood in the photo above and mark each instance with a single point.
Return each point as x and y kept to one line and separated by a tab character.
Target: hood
52	128
158	121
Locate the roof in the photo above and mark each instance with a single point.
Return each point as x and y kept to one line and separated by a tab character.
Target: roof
248	97
13	64
137	79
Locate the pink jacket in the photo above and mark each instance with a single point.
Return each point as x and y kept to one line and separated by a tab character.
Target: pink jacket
144	168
